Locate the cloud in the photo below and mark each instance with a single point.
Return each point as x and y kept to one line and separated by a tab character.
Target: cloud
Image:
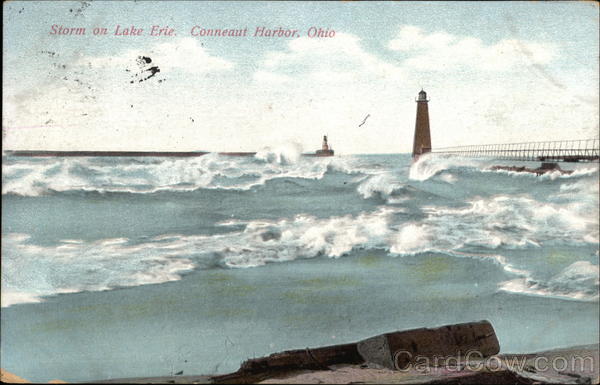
262	76
334	83
515	108
318	86
335	60
441	51
185	54
97	103
306	89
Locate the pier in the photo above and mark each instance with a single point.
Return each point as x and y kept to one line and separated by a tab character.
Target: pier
36	153
325	150
587	150
577	150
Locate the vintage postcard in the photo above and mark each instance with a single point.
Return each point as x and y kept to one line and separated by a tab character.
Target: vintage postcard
300	191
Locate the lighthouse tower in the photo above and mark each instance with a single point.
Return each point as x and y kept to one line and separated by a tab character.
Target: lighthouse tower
422	141
325	146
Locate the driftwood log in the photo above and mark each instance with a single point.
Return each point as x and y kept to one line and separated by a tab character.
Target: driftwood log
397	350
451	340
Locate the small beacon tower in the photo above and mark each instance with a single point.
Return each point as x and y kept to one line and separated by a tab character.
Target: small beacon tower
422	141
325	145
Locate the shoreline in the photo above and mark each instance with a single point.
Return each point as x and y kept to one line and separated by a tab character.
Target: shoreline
506	369
290	287
465	353
346	374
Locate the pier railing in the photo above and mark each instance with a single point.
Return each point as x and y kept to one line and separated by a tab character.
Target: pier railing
586	150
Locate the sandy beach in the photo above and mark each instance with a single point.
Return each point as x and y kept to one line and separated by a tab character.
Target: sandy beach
513	368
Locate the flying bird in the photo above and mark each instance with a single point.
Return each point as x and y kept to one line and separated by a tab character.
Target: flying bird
364	120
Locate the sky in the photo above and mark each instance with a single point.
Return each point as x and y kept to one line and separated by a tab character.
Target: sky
495	72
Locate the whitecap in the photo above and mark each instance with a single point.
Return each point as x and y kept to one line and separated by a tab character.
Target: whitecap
578	281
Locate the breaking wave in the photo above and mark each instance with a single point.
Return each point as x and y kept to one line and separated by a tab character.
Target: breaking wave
500	222
432	165
578	281
446	206
149	175
30	271
383	185
285	154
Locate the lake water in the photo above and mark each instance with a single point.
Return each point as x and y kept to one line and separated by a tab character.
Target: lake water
126	267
